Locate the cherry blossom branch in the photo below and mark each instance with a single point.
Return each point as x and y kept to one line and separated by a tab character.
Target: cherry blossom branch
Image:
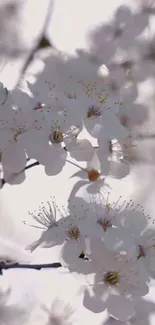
139	136
38	267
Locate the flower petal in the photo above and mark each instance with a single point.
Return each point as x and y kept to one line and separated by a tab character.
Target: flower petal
119	169
120	307
14	158
96	299
5	138
71	251
117	239
104	163
54	166
81	150
112	129
150	262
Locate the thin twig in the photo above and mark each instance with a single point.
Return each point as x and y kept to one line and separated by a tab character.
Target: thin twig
36	163
38	267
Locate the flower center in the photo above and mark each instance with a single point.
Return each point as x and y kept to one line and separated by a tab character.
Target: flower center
105	224
112	277
56	136
93	175
74	233
109	207
93	111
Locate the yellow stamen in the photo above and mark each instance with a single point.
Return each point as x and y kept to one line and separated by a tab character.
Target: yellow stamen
74	233
57	136
109	207
112	278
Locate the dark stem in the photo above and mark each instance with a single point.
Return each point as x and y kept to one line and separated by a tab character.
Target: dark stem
38	267
36	163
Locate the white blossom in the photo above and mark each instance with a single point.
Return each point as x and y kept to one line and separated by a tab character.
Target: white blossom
94	103
129	235
117	279
104	164
46	142
141	247
103	215
83	88
64	231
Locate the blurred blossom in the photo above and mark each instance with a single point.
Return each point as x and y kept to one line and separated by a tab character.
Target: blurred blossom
19	35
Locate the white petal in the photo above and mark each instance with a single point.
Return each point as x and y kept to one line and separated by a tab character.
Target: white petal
112	129
120	308
96	299
14	158
118	239
5	138
104	163
119	169
100	255
54	166
150	262
81	150
37	147
34	142
135	221
92	229
93	126
94	163
71	252
135	282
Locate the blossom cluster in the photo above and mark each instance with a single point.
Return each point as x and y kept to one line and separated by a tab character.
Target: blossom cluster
108	246
78	119
72	109
64	119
